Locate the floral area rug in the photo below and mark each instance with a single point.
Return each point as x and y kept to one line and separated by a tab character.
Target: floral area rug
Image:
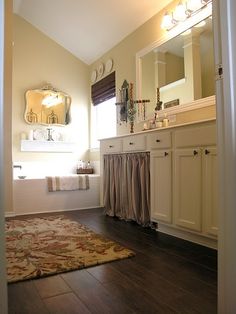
40	247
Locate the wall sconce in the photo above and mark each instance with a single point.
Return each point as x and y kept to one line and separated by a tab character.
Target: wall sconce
183	10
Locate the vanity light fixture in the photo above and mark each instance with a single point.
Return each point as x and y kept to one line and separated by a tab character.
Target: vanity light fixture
194	5
179	13
168	21
183	10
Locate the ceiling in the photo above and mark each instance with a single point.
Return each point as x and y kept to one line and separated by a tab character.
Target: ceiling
88	28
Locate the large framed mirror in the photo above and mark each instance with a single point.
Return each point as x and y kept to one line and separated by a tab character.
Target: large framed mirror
180	65
47	106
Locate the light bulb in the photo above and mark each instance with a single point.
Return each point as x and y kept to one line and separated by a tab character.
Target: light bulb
180	12
167	22
194	5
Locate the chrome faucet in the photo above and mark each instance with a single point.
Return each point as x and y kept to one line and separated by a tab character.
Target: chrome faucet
17	166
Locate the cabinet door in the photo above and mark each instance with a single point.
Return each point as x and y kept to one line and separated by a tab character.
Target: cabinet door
161	181
188	188
210	193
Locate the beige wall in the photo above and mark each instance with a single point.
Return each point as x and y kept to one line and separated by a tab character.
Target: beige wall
207	65
38	60
8	194
148	77
124	54
174	68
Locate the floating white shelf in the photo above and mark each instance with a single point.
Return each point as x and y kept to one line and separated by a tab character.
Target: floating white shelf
47	146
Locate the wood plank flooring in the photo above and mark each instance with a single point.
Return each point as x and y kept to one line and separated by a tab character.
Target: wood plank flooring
167	275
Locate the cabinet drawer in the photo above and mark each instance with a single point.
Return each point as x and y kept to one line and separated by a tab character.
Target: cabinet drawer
111	146
159	140
134	143
197	136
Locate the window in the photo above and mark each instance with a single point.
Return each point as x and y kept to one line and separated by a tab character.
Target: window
103	110
103	121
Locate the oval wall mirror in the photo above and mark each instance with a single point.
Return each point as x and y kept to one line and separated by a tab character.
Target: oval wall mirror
47	106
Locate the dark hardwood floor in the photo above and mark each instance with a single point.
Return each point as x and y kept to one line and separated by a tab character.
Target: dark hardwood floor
167	275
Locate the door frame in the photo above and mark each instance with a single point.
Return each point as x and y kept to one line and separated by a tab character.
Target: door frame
3	283
224	24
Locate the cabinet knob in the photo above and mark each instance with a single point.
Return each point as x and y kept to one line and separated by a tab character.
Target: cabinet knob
131	143
207	152
166	154
195	152
158	141
110	146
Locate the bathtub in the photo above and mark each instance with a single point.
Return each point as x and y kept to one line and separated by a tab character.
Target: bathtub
31	196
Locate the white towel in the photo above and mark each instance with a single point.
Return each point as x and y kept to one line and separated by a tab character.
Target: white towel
68	183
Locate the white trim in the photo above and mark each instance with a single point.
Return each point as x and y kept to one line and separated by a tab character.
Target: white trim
47	146
196	104
173	84
169	127
225	54
14	214
10	214
188	235
3	285
182	27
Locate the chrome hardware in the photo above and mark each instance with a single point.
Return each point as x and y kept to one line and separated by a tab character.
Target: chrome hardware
17	166
219	72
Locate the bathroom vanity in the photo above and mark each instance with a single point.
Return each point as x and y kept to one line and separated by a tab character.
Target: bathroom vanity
183	177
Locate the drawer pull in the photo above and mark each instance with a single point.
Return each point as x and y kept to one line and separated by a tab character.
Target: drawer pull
207	152
166	154
195	152
158	141
111	146
131	143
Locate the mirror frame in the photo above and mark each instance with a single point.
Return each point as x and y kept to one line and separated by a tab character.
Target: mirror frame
49	88
175	31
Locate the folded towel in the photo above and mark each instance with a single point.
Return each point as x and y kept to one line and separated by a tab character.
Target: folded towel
68	183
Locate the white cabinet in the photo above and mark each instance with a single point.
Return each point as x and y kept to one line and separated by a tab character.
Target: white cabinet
210	191
183	177
134	143
195	179
188	188
110	146
158	140
161	182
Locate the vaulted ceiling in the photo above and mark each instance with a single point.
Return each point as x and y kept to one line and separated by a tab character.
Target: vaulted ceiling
87	28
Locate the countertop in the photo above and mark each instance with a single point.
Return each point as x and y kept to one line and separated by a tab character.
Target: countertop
162	128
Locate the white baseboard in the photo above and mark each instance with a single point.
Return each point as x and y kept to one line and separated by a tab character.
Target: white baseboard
14	214
189	236
10	214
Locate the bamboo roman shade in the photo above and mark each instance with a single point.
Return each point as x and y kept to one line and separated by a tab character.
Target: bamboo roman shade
104	89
